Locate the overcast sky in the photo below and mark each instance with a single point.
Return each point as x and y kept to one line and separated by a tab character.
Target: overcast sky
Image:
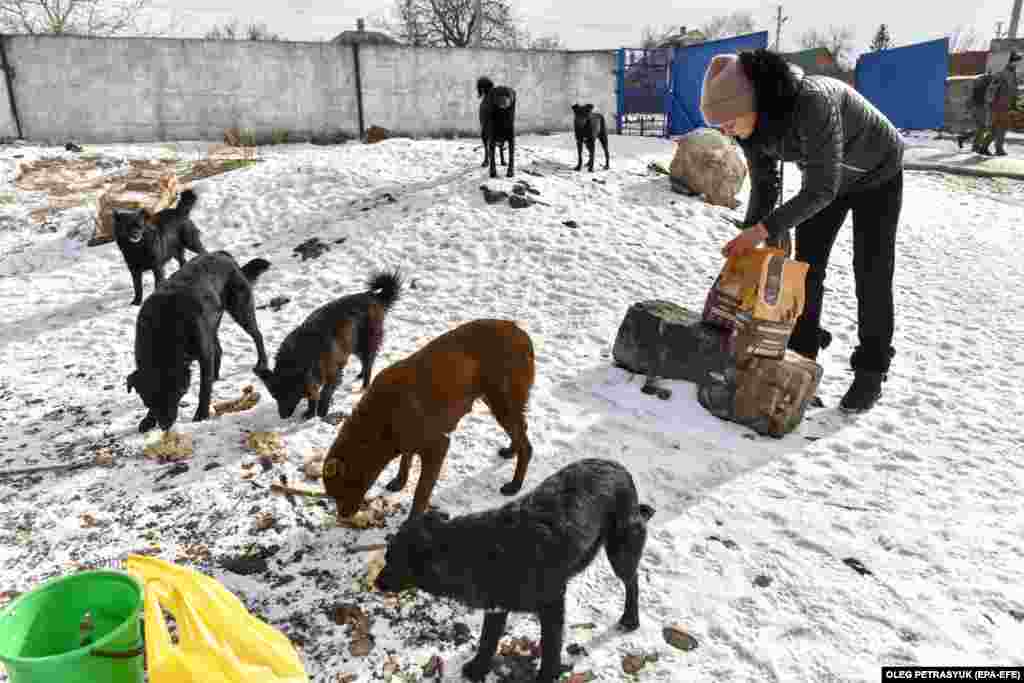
584	25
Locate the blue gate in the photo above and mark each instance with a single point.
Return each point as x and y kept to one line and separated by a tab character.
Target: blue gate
643	84
908	84
688	66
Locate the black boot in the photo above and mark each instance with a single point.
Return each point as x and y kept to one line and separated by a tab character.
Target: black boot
864	392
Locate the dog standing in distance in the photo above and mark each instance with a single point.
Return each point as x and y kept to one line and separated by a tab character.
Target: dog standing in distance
312	357
498	119
149	241
415	404
483	86
589	126
178	324
521	556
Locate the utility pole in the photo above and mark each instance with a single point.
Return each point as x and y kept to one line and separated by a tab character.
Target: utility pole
478	23
780	20
1014	20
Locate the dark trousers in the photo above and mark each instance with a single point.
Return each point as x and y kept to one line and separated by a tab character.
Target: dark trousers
876	213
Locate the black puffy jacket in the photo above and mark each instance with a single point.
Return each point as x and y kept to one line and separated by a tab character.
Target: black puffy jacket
840	141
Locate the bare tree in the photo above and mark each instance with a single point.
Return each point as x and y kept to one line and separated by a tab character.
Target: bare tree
964	38
451	23
727	25
75	17
652	37
234	31
837	39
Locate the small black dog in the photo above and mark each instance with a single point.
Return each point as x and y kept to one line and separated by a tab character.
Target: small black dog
589	125
498	121
484	85
312	357
178	324
148	242
521	556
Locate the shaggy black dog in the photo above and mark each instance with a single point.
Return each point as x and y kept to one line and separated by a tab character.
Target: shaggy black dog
521	556
484	85
312	357
148	242
589	126
178	324
497	122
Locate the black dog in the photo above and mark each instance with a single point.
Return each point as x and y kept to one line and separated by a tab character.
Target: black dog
498	121
589	125
311	358
148	242
484	85
521	556
178	324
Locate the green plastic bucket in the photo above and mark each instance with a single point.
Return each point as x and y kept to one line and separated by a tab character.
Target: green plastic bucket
42	639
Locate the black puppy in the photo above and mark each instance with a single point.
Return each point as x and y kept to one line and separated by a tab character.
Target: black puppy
521	556
484	85
178	324
589	125
498	120
312	357
148	242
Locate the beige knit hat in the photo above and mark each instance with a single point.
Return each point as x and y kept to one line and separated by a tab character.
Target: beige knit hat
727	92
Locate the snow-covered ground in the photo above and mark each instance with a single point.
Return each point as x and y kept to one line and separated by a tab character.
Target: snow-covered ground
748	545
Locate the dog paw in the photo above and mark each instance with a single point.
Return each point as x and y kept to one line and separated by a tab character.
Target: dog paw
510	174
577	168
476	670
512	488
146	424
629	623
201	415
136	302
506	452
395	485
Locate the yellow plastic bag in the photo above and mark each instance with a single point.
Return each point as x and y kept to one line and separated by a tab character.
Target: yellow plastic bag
218	640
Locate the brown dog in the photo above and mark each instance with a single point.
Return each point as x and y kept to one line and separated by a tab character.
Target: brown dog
413	406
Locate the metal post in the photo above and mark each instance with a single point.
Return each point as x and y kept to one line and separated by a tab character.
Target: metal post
1014	19
10	85
359	90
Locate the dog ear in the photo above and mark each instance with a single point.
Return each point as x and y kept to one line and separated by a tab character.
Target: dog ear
130	380
646	511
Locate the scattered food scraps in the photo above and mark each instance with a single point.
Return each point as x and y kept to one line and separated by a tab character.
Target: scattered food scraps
249	398
169	447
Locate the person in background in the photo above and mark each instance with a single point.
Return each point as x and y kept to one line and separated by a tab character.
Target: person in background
981	114
1002	94
851	157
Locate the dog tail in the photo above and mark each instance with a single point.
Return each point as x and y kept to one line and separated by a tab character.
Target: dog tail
186	201
387	286
254	268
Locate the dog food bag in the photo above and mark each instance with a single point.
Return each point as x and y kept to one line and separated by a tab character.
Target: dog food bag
760	296
773	394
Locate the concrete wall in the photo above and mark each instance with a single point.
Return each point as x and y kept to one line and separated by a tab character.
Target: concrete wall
142	89
421	91
137	89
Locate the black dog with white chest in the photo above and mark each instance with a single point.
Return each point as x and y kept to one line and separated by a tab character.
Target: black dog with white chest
589	126
178	324
147	242
521	556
